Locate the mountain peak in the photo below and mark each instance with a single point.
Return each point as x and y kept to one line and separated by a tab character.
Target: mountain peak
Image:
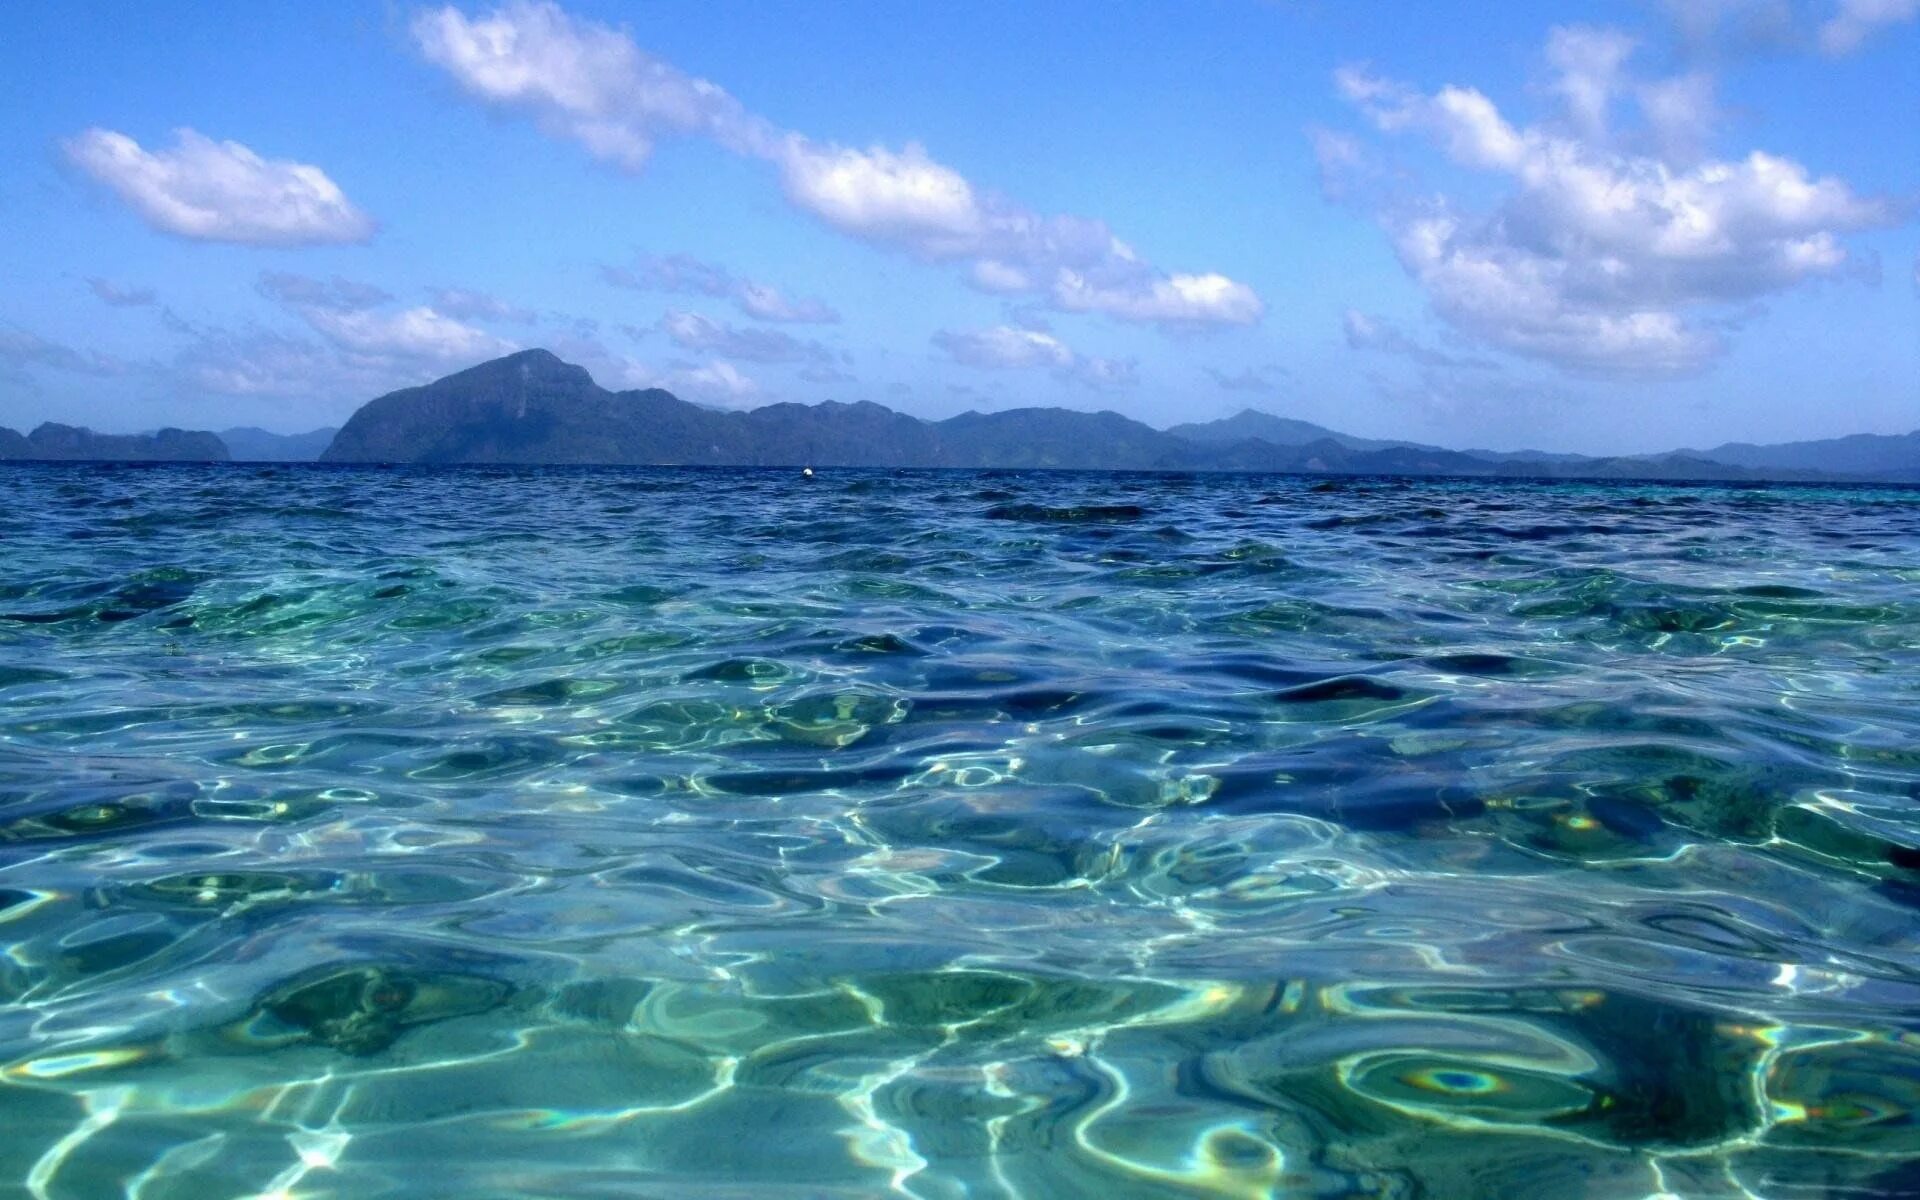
537	364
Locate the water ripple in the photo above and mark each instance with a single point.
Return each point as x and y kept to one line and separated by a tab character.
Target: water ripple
501	832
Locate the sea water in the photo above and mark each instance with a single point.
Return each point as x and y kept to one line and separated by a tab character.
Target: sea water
698	833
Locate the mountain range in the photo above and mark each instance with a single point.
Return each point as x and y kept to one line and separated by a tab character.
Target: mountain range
250	444
533	408
51	442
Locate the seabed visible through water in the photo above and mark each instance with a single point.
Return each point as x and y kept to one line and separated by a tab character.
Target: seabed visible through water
656	833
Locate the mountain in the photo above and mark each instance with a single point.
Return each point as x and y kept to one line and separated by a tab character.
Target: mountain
1858	454
1058	438
249	444
531	407
1253	425
70	443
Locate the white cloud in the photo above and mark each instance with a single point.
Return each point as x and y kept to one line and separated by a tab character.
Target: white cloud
1009	347
1858	20
1004	346
350	316
1589	63
1107	372
112	293
220	191
765	302
991	275
413	333
717	382
683	274
580	80
885	196
1602	259
590	83
693	331
1173	300
1681	114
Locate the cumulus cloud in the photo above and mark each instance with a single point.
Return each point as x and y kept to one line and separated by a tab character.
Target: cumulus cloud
354	342
1588	64
1004	346
1010	347
581	80
693	331
765	302
220	191
592	84
685	275
718	382
1601	258
355	318
1174	299
1681	114
1376	333
112	293
885	195
414	333
1858	20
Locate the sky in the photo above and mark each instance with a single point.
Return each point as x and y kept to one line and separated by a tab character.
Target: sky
1629	225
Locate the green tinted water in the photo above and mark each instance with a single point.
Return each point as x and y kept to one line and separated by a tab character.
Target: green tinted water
494	833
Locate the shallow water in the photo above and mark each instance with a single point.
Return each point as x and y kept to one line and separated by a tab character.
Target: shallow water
652	833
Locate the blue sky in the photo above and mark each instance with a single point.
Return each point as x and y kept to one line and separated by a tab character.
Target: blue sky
1629	226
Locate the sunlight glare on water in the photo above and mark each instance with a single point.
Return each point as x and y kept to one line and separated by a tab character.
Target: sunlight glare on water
595	833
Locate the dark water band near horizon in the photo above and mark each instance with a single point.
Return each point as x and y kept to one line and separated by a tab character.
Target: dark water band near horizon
489	832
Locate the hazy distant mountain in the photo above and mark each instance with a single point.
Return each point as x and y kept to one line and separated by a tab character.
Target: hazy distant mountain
1678	465
70	443
1858	454
249	444
531	407
1250	425
1059	438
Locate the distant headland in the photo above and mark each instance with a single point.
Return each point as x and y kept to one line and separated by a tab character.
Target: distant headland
532	408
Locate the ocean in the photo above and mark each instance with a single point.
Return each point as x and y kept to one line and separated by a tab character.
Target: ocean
569	833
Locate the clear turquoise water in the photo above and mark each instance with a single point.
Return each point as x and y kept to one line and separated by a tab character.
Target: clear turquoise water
496	833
